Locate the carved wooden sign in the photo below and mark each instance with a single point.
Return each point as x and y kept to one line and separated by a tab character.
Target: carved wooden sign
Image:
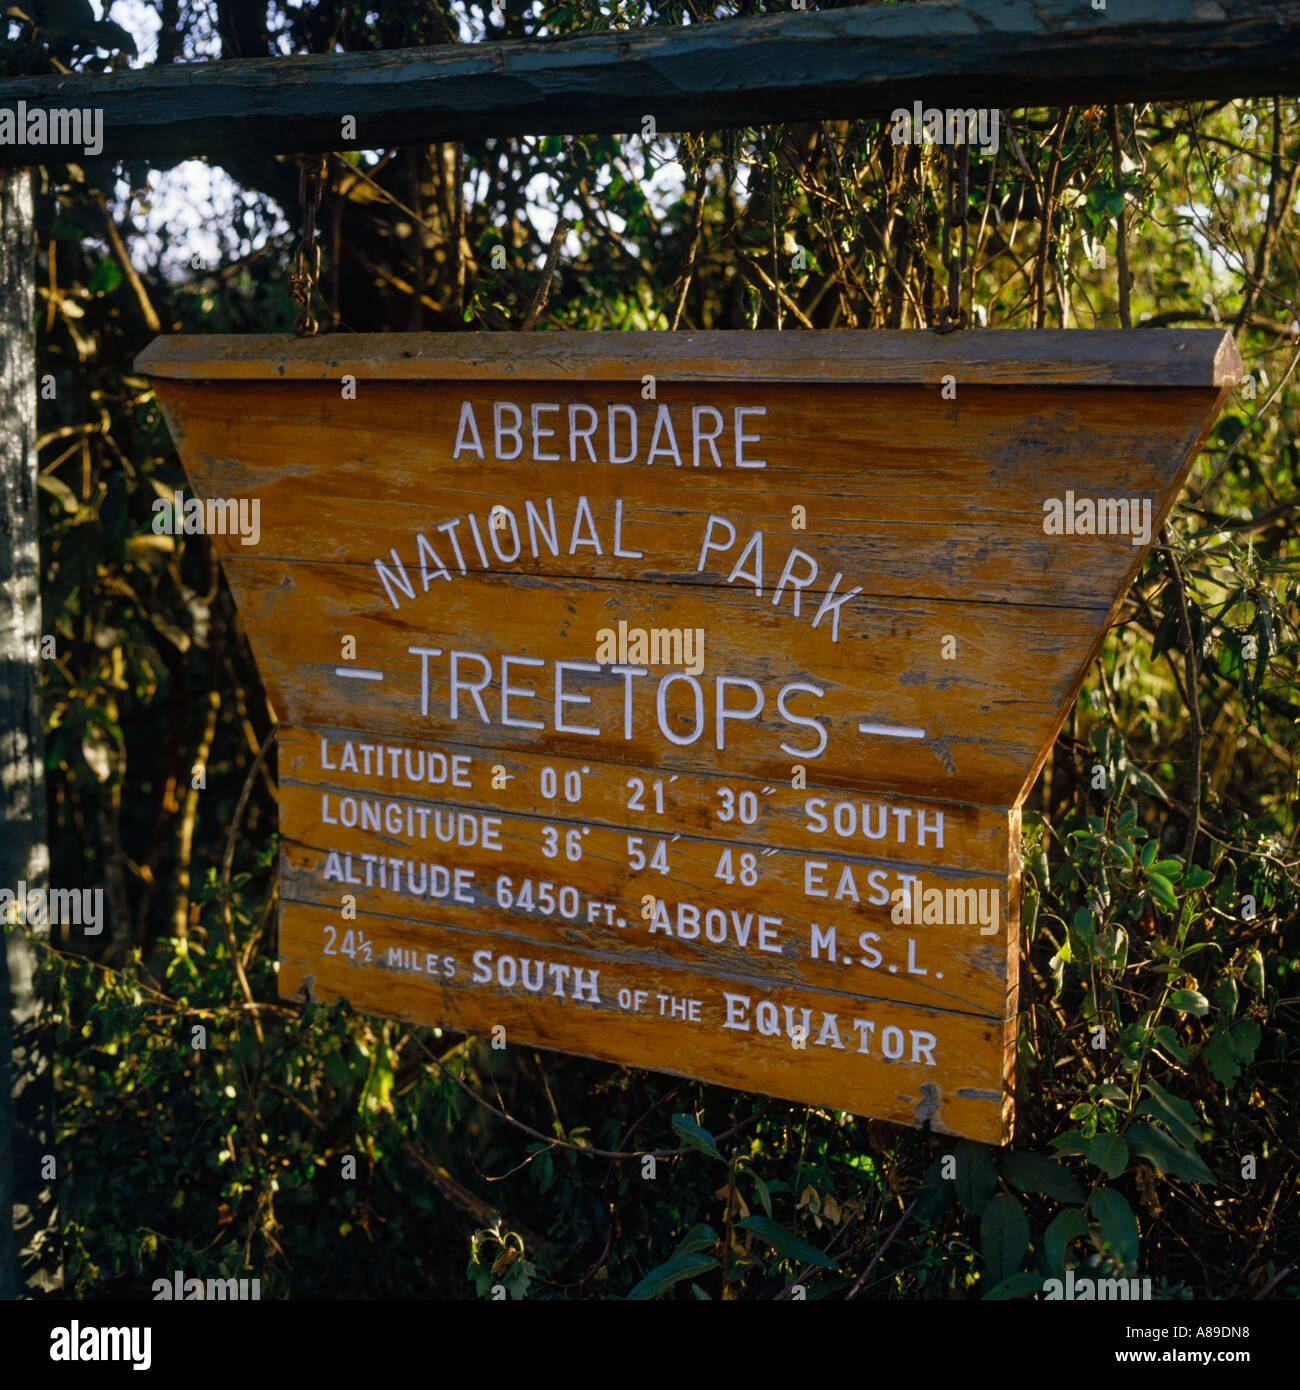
671	698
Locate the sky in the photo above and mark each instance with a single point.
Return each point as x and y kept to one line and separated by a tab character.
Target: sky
196	203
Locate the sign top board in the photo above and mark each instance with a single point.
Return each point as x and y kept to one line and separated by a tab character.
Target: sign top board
670	698
1198	358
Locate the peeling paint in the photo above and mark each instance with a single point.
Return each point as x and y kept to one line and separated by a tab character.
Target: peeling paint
939	746
928	1107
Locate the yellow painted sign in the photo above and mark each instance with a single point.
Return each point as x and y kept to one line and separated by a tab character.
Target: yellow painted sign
671	698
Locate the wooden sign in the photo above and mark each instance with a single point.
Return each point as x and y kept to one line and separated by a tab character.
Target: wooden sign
671	698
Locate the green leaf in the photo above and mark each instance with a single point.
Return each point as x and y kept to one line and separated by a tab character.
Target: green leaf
1067	1225
1057	965
1112	949
1162	889
976	1176
106	278
1189	1001
1255	972
1071	1142
1108	1152
1170	1158
1119	1231
1218	1057
1083	925
699	1237
1225	997
1032	1172
763	1193
1168	1040
1144	782
1245	1040
936	1194
672	1271
337	1069
1004	1236
1037	862
1173	1111
689	1132
785	1242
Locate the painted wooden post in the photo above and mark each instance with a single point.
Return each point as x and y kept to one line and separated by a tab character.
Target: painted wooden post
24	858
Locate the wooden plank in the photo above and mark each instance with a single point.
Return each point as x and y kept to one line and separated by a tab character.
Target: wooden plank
685	822
845	1064
1201	357
981	718
820	818
962	526
843	63
821	920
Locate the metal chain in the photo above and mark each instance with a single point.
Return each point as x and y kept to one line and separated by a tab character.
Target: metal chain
304	271
957	179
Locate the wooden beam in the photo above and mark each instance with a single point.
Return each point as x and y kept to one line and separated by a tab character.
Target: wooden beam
800	66
1040	357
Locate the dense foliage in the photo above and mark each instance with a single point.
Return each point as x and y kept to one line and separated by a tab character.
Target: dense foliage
1157	1041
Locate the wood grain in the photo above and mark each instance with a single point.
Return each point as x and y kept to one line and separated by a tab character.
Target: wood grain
837	64
974	837
966	1092
984	715
1201	357
767	929
903	492
934	691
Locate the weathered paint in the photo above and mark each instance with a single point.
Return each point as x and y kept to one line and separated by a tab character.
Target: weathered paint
665	867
